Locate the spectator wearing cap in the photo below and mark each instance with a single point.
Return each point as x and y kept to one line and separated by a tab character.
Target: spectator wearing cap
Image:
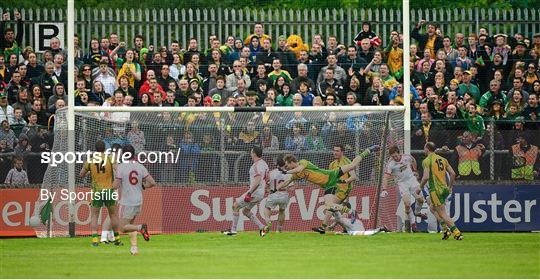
467	86
6	111
216	100
430	40
520	54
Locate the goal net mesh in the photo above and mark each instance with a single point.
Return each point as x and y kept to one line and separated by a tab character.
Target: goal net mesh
201	163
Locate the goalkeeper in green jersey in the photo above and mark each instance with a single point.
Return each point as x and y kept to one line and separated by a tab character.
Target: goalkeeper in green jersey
324	178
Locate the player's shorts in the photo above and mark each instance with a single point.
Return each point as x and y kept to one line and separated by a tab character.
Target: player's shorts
408	187
343	191
333	178
103	198
280	199
129	212
438	197
242	204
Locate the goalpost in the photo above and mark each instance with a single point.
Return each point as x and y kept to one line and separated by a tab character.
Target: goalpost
200	160
70	116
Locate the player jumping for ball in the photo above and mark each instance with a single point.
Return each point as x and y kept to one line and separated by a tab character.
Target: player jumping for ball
132	178
324	178
403	169
435	169
258	176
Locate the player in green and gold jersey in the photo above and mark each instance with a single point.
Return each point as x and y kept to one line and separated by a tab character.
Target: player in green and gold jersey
101	170
435	169
328	179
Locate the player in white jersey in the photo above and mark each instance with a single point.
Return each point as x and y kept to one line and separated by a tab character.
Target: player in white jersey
352	225
132	178
402	168
258	177
277	198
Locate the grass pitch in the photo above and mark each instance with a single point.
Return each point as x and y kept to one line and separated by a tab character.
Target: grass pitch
279	255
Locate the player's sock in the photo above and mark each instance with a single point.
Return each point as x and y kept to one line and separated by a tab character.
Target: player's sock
104	234
407	226
116	236
110	235
443	225
234	222
139	227
95	239
324	226
255	220
279	228
455	230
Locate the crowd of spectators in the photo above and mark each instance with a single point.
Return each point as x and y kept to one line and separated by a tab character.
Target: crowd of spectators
469	92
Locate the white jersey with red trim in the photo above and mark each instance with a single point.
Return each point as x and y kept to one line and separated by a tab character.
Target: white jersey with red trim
277	177
132	175
401	170
259	169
